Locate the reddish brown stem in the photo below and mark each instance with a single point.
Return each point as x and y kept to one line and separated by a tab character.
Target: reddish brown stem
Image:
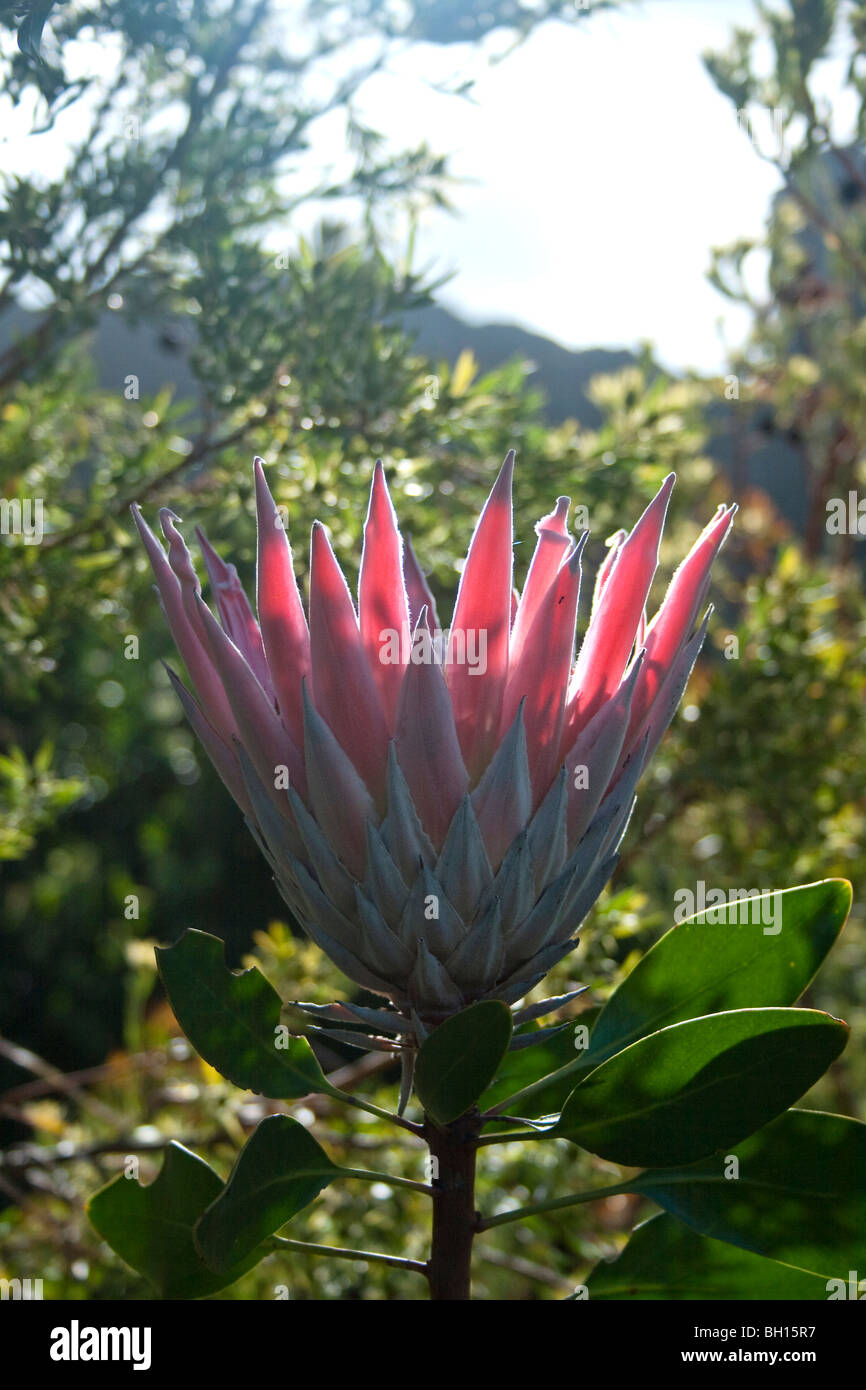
452	1151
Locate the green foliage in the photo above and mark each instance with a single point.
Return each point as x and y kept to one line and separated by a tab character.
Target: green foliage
151	1227
280	1170
725	958
31	796
460	1058
802	367
799	1195
233	1020
120	834
701	1085
685	1092
532	1066
664	1260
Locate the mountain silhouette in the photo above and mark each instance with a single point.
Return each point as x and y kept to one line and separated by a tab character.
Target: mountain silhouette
749	455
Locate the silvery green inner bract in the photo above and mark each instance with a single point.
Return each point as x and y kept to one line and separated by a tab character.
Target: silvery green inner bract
440	828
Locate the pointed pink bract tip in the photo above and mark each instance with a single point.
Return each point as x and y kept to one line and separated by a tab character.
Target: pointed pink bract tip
204	542
380	497
654	514
219	572
506	734
667	487
321	552
504	479
573	557
151	542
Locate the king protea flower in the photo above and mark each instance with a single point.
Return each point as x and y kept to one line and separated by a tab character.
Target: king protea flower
440	814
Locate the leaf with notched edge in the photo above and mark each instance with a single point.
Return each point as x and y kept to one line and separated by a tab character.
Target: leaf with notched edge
233	1021
151	1228
280	1170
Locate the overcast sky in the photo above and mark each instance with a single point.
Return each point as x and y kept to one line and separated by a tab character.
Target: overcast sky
600	167
605	166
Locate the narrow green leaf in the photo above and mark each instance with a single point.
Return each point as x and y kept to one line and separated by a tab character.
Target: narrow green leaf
687	1090
458	1061
151	1228
758	953
280	1170
664	1260
233	1021
30	31
799	1194
532	1064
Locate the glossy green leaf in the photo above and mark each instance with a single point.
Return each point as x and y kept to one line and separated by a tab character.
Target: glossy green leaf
728	962
531	1064
151	1228
701	967
800	1193
233	1021
459	1059
690	1089
280	1170
666	1261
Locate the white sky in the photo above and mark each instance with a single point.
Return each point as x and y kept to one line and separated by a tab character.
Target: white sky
601	166
605	166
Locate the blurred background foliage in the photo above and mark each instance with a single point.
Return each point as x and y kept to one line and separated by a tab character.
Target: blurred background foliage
115	831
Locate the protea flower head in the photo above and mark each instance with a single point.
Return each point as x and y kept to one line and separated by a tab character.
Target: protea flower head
440	810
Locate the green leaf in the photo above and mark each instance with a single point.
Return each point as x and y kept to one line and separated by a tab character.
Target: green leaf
531	1064
30	31
279	1170
701	967
800	1196
459	1059
706	967
664	1260
151	1228
687	1090
233	1021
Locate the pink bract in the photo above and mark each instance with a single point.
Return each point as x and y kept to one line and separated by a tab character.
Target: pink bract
440	811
